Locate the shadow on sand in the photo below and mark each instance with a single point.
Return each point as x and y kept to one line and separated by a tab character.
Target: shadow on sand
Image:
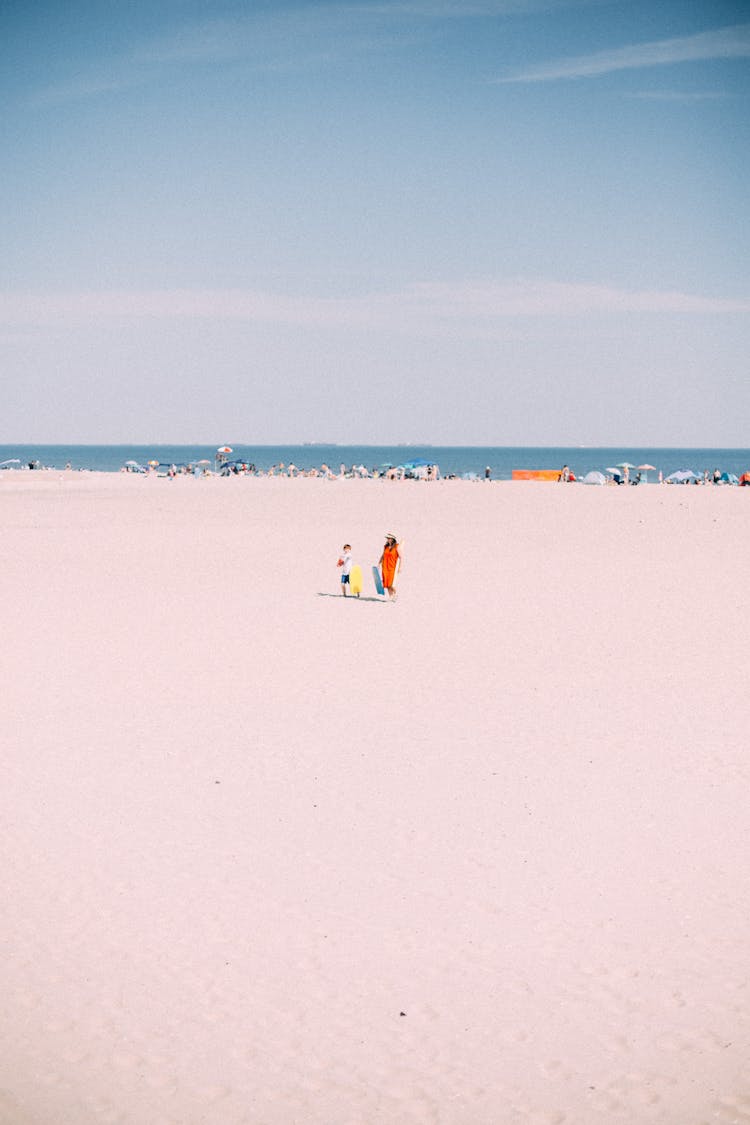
351	598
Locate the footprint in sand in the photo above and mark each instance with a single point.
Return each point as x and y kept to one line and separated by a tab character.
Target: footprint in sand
674	1041
732	1110
555	1069
533	1116
105	1111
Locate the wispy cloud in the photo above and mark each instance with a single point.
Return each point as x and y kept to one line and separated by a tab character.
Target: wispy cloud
274	40
722	43
427	308
281	39
117	78
685	97
465	9
324	30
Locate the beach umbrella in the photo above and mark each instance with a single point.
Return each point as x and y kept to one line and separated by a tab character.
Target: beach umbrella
647	468
625	465
11	461
225	449
614	472
153	464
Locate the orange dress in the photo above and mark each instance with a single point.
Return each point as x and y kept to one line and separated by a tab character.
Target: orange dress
390	559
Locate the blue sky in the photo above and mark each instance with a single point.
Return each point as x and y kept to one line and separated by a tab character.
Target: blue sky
490	222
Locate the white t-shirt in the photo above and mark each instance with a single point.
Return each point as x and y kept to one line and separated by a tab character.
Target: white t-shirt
347	557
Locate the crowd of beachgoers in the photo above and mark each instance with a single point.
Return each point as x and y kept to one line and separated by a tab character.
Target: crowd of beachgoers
416	470
419	470
632	474
426	471
226	468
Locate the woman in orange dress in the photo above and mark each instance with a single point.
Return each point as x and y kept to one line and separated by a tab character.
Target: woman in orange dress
390	564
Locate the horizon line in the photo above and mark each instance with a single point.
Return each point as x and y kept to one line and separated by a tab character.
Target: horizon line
363	445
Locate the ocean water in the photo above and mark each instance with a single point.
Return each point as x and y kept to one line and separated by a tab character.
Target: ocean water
451	459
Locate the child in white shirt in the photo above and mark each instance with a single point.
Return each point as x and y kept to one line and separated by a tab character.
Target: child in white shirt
345	562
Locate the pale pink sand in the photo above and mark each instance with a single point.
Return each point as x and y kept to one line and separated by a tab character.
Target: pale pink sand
246	826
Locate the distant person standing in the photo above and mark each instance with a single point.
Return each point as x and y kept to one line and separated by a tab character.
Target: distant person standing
390	564
564	474
487	473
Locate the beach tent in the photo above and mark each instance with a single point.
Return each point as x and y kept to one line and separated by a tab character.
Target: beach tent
594	477
134	467
11	461
729	478
682	476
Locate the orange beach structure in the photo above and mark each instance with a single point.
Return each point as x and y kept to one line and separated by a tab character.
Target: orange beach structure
536	474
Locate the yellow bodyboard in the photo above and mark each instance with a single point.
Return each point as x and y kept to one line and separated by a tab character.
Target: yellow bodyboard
355	579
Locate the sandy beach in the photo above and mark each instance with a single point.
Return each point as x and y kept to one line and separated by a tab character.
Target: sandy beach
274	857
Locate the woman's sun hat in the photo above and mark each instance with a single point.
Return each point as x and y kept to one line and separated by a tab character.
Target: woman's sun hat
389	535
